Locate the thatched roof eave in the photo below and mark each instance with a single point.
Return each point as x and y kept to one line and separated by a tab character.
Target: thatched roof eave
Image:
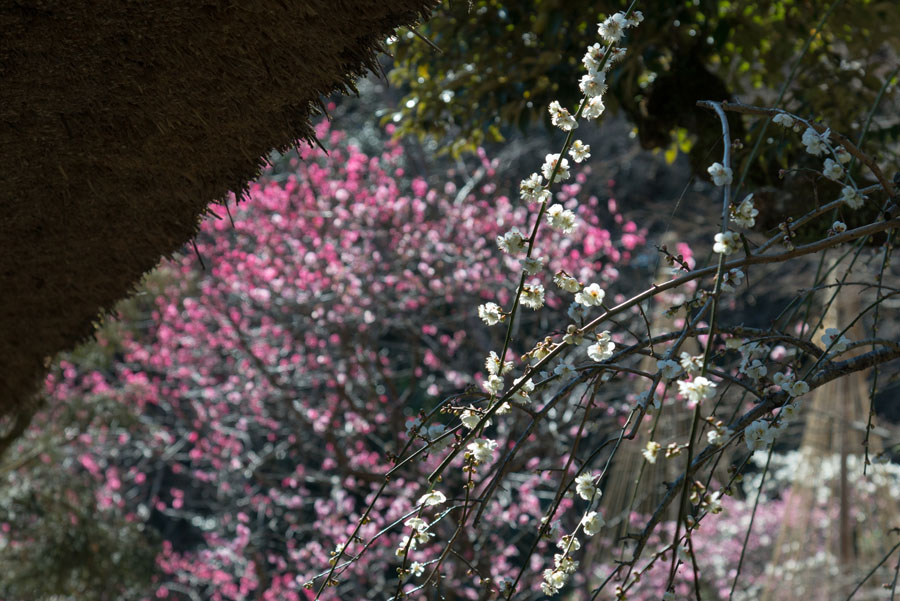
121	121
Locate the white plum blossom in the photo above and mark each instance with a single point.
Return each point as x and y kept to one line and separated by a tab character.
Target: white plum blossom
744	214
561	219
512	242
594	108
650	451
550	162
591	296
833	339
585	487
434	497
690	363
522	394
758	435
754	370
564	370
852	198
843	156
493	365
718	436
561	117
635	19
732	279
493	384
727	243
490	313
568	543
784	120
721	175
613	28
833	170
814	142
668	368
593	84
789	411
603	349
592	57
553	582
697	390
579	151
838	227
416	569
592	522
574	335
533	296
796	389
532	265
782	379
416	523
482	449
470	418
532	189
566	282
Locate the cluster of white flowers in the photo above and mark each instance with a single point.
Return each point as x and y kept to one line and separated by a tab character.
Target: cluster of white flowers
816	144
852	198
744	215
592	522
727	243
536	189
585	487
566	282
561	117
481	449
731	279
759	435
532	265
721	175
512	242
834	341
490	313
493	385
574	335
603	349
550	162
718	435
532	189
787	383
754	369
613	28
419	535
579	151
561	219
784	120
833	170
533	296
495	367
650	451
692	364
697	390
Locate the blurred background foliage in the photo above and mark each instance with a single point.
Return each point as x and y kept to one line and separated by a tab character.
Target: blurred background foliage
501	62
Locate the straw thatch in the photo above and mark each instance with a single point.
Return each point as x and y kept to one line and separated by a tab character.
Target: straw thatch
121	121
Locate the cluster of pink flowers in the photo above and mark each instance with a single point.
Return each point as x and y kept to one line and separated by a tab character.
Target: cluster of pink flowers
273	388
